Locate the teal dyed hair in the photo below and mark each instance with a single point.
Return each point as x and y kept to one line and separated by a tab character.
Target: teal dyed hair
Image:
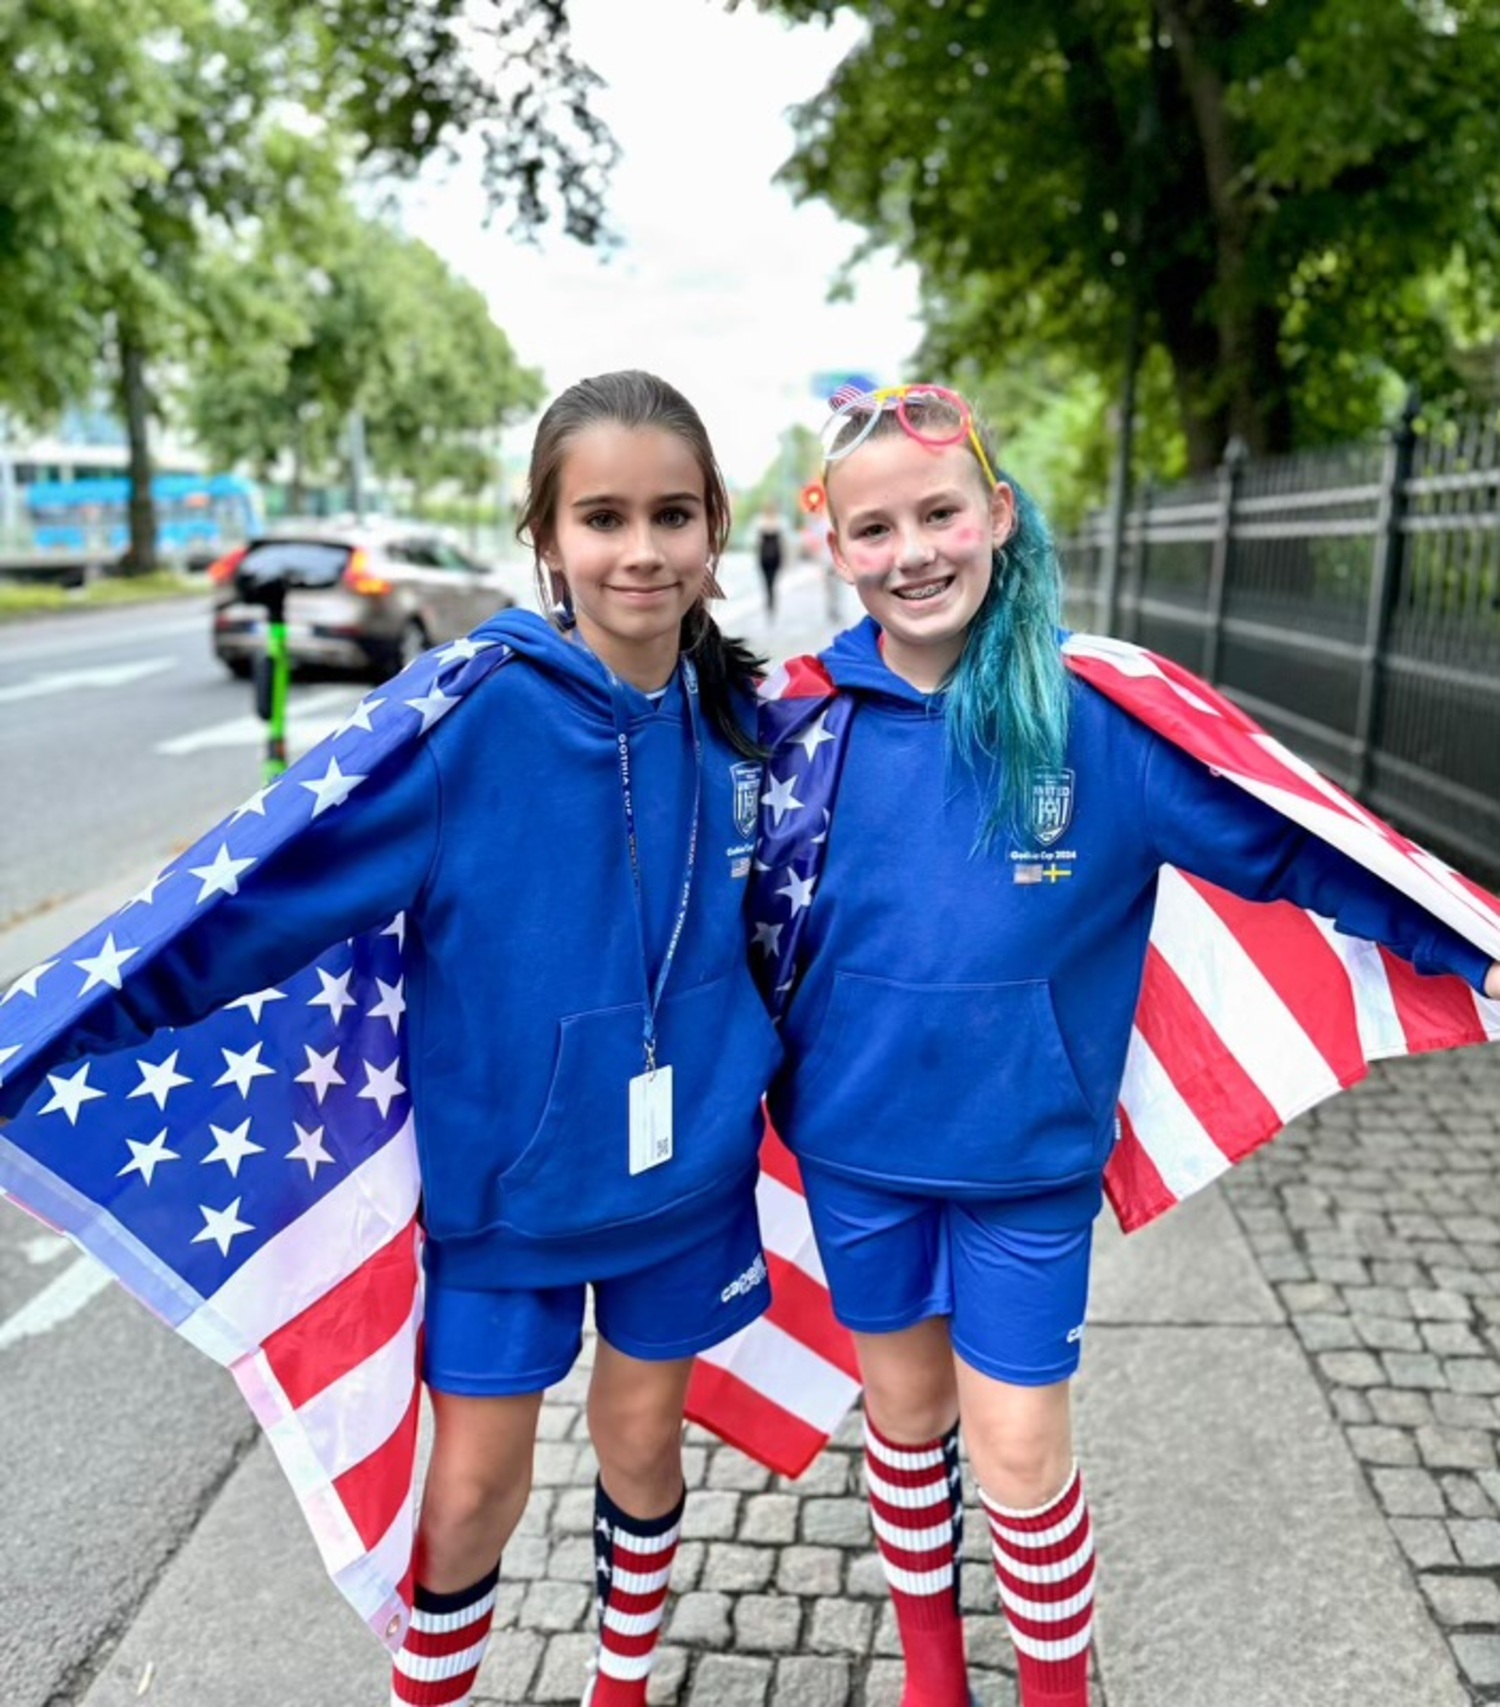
1008	696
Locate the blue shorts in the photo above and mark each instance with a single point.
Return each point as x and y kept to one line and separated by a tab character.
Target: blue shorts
1016	1297
494	1344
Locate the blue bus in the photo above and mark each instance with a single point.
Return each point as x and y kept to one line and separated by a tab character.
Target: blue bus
197	515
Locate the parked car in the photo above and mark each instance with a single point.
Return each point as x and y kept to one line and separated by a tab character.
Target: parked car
367	597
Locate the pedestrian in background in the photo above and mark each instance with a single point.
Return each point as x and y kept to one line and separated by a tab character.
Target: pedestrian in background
961	852
565	855
770	550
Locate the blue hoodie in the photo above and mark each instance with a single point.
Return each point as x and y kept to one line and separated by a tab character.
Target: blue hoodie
963	1017
501	836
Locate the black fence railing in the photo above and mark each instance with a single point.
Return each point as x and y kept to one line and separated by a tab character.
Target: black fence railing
1348	599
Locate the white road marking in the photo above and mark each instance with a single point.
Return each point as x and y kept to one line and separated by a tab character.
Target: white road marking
309	719
101	676
45	1248
56	1303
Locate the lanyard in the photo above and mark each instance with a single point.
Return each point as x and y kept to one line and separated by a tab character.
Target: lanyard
622	743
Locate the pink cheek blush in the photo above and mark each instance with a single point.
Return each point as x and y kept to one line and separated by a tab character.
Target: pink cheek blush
967	539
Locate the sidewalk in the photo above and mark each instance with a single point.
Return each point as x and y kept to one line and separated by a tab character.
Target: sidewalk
1287	1417
1287	1420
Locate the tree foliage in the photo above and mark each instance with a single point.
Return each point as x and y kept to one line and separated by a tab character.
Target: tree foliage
352	315
1265	189
140	137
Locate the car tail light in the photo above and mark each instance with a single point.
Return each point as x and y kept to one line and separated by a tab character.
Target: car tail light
358	579
223	568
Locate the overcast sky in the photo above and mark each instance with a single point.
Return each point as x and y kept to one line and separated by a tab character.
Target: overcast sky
721	283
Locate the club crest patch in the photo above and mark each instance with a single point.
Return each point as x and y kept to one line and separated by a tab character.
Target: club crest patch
746	781
1052	794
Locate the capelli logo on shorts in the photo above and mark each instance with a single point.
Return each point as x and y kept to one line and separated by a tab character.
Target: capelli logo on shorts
753	1276
1075	1334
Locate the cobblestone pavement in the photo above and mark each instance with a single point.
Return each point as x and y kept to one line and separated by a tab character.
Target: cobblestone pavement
777	1593
1376	1218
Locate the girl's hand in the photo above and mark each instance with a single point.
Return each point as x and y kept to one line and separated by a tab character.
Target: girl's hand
1492	981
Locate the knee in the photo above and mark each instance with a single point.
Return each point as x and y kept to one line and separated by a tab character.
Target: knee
909	1416
475	1498
1024	1469
637	1442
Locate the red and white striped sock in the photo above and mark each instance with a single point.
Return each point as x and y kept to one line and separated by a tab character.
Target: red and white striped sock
444	1645
633	1557
917	1507
1044	1561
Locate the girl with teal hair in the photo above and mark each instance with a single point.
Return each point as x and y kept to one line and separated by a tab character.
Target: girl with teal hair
956	953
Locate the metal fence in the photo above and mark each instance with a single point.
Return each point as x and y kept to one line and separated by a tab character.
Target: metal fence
1348	599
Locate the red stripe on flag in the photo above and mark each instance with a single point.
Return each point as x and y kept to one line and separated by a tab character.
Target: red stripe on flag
806	679
376	1489
347	1325
755	1424
801	1307
1207	1075
778	1161
1136	1190
1225	742
1435	1013
1299	963
1490	903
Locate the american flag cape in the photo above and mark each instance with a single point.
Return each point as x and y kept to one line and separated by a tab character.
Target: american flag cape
1249	1014
252	1178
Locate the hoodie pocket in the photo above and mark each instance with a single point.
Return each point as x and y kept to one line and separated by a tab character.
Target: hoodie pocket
573	1177
946	1084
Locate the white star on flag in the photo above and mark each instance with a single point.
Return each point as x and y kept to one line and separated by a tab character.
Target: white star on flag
768	937
334	995
256	1001
69	1095
798	890
26	984
231	1147
811	739
333	788
397	929
781	798
145	1157
104	967
242	1067
159	1079
221	1226
359	718
309	1149
256	804
382	1085
146	897
465	648
431	706
223	876
392	1003
5	1055
321	1072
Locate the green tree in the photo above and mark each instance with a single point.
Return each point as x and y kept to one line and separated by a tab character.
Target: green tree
320	317
1256	191
146	133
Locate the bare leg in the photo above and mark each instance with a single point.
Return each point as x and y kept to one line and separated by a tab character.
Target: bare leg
477	1485
916	1501
635	1422
1020	1443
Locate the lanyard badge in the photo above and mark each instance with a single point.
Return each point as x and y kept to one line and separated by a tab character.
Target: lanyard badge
651	1090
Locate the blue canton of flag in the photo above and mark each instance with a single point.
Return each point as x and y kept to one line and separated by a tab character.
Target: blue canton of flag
252	1177
804	726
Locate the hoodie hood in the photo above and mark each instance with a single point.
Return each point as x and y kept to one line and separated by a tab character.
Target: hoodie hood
569	662
856	665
